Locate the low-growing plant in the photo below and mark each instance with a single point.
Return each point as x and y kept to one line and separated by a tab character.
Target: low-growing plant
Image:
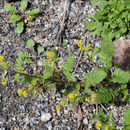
21	17
102	85
112	20
103	121
126	120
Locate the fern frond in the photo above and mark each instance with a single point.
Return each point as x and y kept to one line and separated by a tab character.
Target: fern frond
105	95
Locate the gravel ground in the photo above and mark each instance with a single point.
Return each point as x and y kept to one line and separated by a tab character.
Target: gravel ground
39	113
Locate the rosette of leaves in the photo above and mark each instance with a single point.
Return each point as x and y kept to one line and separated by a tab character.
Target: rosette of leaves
112	20
17	15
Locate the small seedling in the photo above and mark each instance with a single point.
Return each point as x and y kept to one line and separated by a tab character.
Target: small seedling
20	17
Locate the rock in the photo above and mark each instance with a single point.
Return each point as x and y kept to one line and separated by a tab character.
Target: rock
122	53
85	121
45	117
65	112
3	119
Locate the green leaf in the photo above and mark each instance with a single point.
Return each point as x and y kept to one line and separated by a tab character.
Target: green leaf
40	49
78	87
101	113
97	76
105	95
30	43
91	26
100	3
34	12
48	72
68	65
127	118
11	9
15	18
52	87
44	62
7	7
23	4
20	27
26	80
107	51
120	76
94	53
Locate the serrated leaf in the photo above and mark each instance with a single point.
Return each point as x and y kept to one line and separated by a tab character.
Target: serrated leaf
91	26
44	62
68	65
20	27
127	118
120	76
34	12
100	3
97	76
7	7
40	49
10	8
48	72
30	43
23	4
15	18
107	51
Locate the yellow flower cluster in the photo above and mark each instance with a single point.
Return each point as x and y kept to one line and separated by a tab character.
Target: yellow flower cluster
22	92
49	54
50	57
98	125
84	48
3	80
58	107
73	95
1	58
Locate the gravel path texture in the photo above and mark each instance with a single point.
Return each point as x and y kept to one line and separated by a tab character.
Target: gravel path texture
39	112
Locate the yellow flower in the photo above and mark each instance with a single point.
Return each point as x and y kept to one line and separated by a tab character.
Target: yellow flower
98	125
63	104
30	18
25	93
20	92
76	94
57	107
49	54
80	43
3	80
25	20
71	96
106	127
87	99
1	58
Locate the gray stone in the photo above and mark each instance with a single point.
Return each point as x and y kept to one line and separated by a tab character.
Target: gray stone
45	117
3	119
72	14
85	121
99	62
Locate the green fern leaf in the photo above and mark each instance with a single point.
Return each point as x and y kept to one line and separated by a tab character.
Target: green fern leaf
120	76
107	51
105	95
